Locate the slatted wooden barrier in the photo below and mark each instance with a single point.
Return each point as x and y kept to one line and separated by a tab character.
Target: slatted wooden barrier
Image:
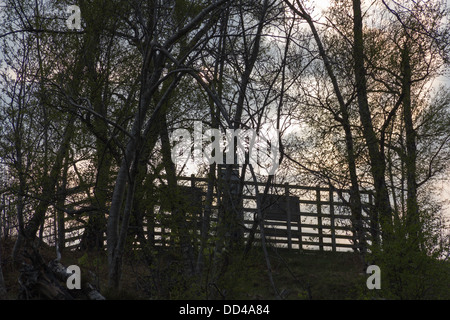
295	217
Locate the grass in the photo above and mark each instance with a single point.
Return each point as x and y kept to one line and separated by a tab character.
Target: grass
296	275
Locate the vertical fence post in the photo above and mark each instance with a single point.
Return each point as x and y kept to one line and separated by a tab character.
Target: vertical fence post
193	180
299	223
3	217
319	218
6	201
151	227
288	211
196	217
7	218
373	221
332	222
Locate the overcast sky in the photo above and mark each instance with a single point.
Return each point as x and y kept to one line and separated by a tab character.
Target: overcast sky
444	184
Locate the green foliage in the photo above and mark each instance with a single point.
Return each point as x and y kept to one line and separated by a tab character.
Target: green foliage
90	261
242	278
410	276
166	278
410	266
186	9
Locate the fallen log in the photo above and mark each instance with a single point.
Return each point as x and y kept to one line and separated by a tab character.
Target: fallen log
39	280
86	288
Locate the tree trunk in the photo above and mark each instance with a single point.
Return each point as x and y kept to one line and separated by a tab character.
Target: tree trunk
154	61
178	212
115	269
20	200
126	175
412	207
48	188
376	153
232	210
93	236
344	120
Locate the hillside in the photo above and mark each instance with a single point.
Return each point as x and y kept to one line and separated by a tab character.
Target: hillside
296	276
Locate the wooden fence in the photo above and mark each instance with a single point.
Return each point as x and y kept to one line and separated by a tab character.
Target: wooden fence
295	217
7	222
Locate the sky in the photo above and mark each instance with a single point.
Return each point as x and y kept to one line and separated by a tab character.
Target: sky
444	184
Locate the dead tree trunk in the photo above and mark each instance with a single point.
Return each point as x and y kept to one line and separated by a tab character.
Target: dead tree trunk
37	282
41	281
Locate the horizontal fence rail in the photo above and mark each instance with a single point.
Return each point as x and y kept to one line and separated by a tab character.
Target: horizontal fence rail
295	217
